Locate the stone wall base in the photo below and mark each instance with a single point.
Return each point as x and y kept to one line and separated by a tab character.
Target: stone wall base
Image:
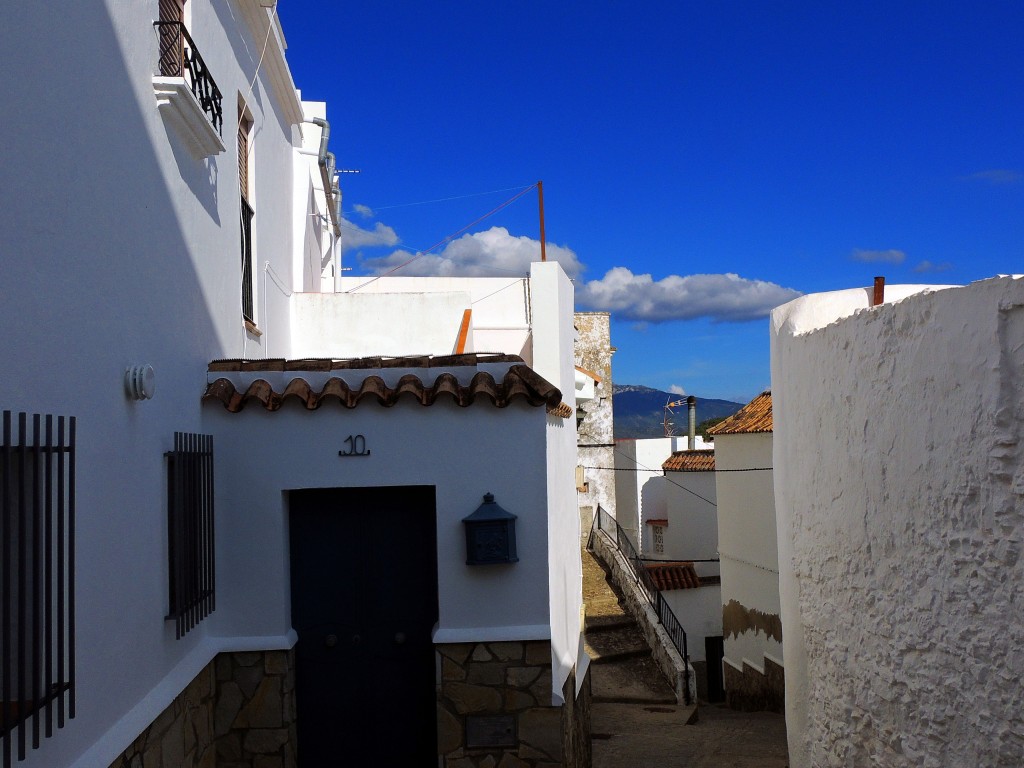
494	709
238	712
751	691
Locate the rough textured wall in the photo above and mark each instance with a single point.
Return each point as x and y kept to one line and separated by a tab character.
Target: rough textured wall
238	712
507	685
899	476
593	351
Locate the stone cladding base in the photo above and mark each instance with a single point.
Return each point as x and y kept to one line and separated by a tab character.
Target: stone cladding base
239	711
751	691
503	691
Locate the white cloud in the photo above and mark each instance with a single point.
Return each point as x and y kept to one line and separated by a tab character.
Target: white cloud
726	297
996	176
890	256
675	389
363	210
928	266
493	253
354	236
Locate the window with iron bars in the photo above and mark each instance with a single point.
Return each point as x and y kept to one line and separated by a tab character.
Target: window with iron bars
37	588
190	529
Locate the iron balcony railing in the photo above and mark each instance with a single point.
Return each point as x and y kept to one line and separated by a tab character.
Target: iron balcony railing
605	522
180	58
246	225
37	579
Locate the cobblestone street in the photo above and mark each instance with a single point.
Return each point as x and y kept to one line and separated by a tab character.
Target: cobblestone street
640	736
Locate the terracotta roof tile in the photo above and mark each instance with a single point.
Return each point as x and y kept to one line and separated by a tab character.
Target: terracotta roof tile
690	461
519	381
562	410
361	363
755	416
673	575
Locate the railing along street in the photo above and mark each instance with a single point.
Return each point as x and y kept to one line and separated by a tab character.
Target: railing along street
605	522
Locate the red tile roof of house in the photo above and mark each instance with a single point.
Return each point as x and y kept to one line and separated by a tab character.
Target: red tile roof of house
755	416
673	575
690	461
519	381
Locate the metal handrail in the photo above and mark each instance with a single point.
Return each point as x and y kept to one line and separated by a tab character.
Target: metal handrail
178	55
603	521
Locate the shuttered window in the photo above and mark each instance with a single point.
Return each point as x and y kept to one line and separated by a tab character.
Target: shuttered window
172	13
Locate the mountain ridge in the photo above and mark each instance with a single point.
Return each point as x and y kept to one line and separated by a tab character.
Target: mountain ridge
639	411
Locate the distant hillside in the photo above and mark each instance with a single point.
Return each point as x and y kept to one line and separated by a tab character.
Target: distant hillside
640	411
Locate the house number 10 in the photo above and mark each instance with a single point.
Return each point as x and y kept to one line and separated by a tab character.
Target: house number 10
356	446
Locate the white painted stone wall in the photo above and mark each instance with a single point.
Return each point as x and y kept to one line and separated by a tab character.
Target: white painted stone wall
746	543
900	496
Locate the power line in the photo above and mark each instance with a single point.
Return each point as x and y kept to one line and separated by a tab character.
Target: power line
444	240
677	485
445	199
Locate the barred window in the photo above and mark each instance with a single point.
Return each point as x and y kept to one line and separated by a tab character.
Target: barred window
37	567
190	528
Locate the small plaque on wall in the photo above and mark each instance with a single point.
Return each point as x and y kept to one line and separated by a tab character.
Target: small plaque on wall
491	731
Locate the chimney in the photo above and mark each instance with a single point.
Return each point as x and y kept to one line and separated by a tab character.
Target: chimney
691	404
879	295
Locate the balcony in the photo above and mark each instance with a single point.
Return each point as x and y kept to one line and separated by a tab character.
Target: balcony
186	92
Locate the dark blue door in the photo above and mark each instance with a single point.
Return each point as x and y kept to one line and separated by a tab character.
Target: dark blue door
364	603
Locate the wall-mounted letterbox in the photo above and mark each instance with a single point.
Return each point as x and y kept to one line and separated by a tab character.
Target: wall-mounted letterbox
490	535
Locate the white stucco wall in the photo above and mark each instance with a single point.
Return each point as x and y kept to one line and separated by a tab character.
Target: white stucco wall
900	497
553	340
747	548
637	498
700	613
692	532
121	247
377	324
462	452
501	320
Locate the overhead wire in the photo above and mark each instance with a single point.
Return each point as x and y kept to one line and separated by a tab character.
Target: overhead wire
446	199
445	239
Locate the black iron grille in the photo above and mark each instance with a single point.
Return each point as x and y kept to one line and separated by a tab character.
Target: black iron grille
180	58
37	586
190	530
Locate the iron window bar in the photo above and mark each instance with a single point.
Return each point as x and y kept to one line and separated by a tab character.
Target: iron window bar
178	55
246	234
190	531
37	567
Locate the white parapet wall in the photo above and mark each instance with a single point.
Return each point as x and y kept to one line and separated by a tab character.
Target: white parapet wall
899	487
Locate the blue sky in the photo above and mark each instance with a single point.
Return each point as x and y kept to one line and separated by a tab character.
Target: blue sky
794	146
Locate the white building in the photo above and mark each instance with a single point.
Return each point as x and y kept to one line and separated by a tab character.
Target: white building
640	490
753	667
682	556
899	485
178	226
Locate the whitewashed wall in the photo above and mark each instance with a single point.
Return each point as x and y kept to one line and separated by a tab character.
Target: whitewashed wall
502	319
900	496
747	547
121	247
700	613
637	463
692	532
553	340
462	452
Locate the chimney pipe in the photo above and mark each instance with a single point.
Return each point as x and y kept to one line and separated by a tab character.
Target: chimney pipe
879	295
691	405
